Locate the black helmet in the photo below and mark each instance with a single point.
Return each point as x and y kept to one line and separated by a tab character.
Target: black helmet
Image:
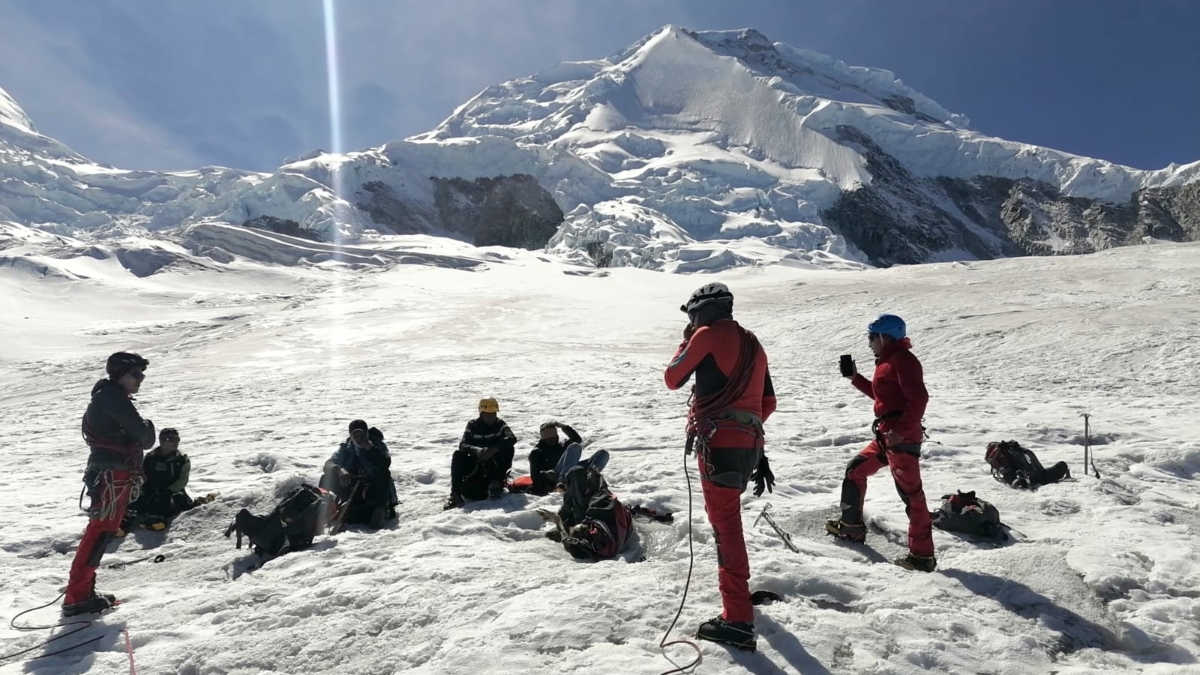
123	362
707	294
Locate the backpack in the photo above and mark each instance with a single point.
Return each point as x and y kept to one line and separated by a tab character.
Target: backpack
1019	468
1011	464
295	522
964	512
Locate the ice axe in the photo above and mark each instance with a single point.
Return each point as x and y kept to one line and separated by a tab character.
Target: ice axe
339	517
1087	446
784	536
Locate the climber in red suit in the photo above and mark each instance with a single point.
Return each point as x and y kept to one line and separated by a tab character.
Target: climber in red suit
732	397
898	389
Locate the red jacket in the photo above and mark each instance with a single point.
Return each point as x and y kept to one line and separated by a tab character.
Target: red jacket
897	387
712	354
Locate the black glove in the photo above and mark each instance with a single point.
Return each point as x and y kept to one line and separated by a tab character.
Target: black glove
763	478
688	330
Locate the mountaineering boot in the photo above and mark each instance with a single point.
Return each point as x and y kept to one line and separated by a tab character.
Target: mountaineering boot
377	517
93	604
734	634
453	502
847	531
495	489
920	563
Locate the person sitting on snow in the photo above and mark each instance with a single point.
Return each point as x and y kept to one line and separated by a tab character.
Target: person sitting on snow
480	467
550	461
359	471
545	455
163	495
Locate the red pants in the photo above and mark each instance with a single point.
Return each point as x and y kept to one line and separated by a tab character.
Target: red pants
110	495
724	473
906	471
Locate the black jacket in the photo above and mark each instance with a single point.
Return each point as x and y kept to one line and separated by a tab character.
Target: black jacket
114	430
480	436
545	456
166	473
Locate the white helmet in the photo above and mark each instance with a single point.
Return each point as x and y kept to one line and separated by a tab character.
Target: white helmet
708	293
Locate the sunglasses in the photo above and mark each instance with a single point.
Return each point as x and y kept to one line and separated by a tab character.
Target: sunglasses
137	375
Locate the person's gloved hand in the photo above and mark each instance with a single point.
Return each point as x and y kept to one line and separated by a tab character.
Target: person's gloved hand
486	453
688	330
762	477
343	477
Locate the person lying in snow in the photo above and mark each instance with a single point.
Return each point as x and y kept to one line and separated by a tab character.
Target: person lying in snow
592	523
597	525
359	471
479	468
164	494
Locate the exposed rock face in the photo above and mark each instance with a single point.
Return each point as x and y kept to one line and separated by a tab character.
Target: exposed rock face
386	209
905	219
281	226
502	211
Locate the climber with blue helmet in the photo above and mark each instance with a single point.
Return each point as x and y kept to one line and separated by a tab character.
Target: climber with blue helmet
898	389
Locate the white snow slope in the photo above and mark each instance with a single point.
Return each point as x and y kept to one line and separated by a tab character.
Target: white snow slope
260	368
685	152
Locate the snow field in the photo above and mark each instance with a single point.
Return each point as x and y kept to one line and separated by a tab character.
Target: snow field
260	368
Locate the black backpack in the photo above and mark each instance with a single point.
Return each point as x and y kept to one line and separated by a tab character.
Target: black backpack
964	512
295	522
1018	467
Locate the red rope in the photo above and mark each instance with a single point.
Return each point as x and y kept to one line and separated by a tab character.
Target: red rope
735	388
129	650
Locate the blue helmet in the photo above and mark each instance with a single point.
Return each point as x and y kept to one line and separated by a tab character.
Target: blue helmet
888	324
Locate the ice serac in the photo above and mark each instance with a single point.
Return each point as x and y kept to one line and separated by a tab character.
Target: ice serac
726	141
686	151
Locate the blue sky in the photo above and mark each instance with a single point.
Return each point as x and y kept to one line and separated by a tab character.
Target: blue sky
147	84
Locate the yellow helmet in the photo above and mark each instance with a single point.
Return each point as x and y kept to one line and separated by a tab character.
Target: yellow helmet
488	405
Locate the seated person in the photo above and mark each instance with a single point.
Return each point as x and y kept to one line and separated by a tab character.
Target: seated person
359	471
597	525
479	468
163	495
545	455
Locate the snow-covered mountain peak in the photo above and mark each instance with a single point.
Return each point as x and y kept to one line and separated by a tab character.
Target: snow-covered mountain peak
680	78
686	151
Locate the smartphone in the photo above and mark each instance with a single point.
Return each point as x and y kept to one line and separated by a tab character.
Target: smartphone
847	365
